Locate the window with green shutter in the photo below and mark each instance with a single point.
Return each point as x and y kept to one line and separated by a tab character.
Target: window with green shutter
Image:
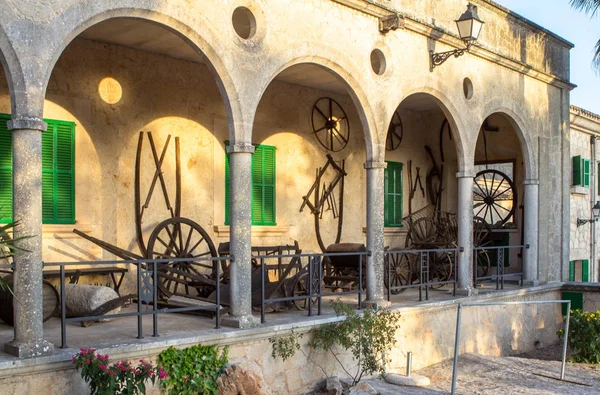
581	171
393	195
58	172
263	186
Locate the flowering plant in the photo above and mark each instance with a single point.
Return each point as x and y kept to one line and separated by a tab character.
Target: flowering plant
584	336
121	378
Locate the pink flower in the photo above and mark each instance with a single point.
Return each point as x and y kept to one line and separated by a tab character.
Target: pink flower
103	368
161	373
88	361
110	372
73	358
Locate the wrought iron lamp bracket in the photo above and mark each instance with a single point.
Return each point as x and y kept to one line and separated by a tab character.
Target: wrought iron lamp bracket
581	221
436	59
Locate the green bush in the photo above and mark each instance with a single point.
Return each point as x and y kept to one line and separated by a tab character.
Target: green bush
193	370
369	336
584	336
285	347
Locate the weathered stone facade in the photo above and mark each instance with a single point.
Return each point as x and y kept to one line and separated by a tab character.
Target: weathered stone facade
194	69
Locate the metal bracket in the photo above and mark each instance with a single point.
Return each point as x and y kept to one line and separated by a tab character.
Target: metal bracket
436	59
581	221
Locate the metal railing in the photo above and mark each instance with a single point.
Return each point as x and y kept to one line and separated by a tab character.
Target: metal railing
147	294
537	302
420	269
308	276
482	260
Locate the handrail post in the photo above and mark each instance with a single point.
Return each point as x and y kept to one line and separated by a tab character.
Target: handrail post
564	353
139	303
309	285
218	280
63	308
320	284
360	281
262	290
456	347
155	299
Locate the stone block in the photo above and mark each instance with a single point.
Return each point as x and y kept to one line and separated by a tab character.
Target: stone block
362	388
414	380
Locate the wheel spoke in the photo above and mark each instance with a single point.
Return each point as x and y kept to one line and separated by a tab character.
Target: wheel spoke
479	186
189	238
499	216
502	207
321	129
498	187
501	193
173	240
321	112
196	245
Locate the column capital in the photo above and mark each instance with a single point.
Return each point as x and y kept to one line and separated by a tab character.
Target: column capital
464	174
375	165
531	182
27	123
240	148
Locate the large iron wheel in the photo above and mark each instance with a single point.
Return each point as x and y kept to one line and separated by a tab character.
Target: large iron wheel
301	288
400	272
440	267
395	133
494	197
182	238
330	124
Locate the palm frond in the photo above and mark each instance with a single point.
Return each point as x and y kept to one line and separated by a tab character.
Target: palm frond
587	6
596	61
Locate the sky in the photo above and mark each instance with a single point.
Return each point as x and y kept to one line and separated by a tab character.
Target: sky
576	27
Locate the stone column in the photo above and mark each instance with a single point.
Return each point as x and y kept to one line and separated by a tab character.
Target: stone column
27	211
240	167
375	226
465	234
530	232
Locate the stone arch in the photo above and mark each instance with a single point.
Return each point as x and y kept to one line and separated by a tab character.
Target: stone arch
200	44
359	98
12	68
519	124
464	154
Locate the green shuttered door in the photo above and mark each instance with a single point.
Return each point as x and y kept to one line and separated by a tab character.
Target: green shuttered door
58	172
263	187
393	194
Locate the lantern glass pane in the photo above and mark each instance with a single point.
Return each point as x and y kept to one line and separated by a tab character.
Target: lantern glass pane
464	28
477	25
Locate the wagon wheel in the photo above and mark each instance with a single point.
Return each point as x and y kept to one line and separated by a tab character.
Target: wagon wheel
330	124
300	288
481	233
395	133
177	238
494	197
423	231
400	272
440	267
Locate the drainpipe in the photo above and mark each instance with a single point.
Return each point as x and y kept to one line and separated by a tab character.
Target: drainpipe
593	187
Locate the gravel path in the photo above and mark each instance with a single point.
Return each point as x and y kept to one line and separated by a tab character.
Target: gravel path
479	374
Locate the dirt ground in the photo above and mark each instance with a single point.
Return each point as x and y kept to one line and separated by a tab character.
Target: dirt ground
537	372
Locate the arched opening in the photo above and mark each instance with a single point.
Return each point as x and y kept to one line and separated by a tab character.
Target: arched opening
421	192
498	195
129	85
309	117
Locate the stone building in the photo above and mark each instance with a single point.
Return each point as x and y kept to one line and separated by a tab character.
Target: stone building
583	259
237	82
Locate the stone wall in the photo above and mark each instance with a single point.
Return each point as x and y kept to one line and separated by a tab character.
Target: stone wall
427	331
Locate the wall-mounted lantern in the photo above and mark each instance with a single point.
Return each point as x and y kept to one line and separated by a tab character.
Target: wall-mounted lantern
595	216
469	26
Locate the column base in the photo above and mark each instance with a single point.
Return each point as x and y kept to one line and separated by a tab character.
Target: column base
531	283
23	350
241	322
467	292
375	304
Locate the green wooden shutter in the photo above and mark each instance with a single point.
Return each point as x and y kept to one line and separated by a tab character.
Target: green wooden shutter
586	172
58	173
585	271
572	271
393	195
263	186
5	170
577	171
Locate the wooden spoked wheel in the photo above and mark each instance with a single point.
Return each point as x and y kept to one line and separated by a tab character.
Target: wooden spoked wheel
300	288
481	238
423	231
182	238
400	271
330	124
441	264
494	197
395	133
